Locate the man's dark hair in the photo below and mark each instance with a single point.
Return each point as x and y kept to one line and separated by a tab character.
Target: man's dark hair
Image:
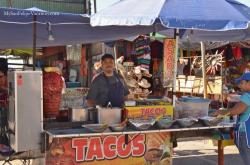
107	56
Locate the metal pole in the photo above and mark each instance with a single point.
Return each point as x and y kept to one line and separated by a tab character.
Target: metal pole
177	37
34	42
90	64
95	6
89	7
115	54
222	82
204	77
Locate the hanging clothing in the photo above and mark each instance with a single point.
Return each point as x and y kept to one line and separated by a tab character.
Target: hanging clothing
3	90
156	64
229	53
84	67
180	66
142	52
237	53
156	48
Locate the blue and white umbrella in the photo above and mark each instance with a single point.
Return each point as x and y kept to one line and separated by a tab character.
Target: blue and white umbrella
215	15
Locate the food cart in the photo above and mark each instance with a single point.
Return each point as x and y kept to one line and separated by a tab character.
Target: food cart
137	142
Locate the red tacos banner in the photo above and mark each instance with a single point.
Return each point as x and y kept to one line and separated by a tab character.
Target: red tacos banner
151	148
168	59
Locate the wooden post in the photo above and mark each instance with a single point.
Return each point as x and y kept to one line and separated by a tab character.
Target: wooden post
34	42
220	153
204	76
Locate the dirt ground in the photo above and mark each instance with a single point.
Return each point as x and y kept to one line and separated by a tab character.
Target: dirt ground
203	152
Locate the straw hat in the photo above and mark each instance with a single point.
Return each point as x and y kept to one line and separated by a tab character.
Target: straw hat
130	74
121	68
132	83
146	92
139	76
120	60
97	65
137	91
144	83
137	70
146	73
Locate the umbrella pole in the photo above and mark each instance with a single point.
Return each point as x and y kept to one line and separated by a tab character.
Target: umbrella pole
204	77
34	42
115	54
175	64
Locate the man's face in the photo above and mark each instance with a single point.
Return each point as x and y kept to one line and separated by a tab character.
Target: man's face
108	65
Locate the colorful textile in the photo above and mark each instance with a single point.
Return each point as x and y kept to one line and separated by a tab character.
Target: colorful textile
237	53
156	49
84	72
142	52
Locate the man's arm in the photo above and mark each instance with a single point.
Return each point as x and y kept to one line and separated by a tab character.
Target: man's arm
239	108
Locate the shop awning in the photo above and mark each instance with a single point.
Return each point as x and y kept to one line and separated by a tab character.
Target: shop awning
215	36
16	29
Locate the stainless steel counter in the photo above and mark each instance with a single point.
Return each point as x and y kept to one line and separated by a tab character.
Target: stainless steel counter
79	132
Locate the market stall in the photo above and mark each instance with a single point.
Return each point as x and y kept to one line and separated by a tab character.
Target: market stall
141	132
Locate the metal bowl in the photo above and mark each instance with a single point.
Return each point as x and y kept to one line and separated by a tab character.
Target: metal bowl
141	125
210	121
117	127
164	123
95	128
186	122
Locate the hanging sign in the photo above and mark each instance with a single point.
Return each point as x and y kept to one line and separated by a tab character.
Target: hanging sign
169	54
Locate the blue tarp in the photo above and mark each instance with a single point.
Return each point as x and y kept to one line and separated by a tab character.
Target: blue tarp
16	29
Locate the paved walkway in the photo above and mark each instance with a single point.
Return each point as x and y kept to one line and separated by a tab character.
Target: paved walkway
203	152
